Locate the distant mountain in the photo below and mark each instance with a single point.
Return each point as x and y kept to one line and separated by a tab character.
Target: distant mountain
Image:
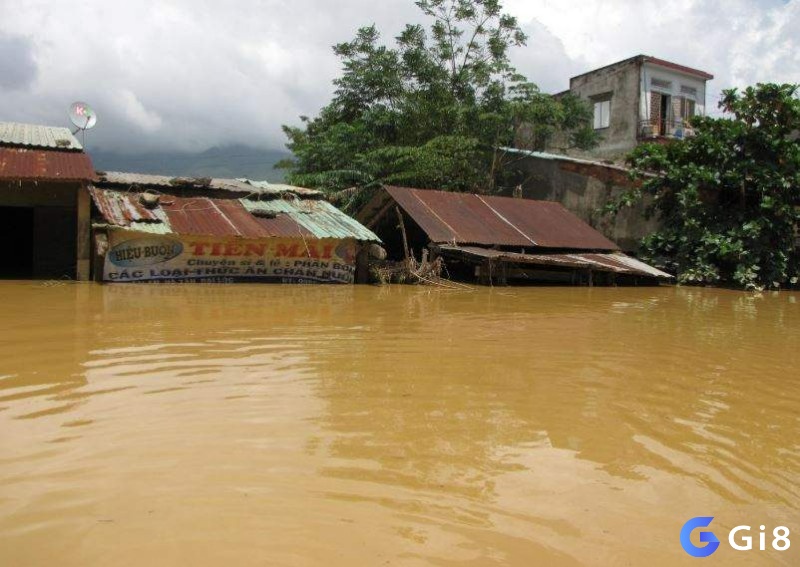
224	162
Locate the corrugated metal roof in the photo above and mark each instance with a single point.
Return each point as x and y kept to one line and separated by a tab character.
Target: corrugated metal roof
44	165
558	157
150	227
244	186
269	187
318	217
37	136
140	179
463	218
229	217
224	217
616	262
122	209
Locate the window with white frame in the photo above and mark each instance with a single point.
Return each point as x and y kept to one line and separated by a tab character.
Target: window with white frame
688	108
602	113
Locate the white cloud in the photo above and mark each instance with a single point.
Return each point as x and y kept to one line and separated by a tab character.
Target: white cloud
739	41
147	120
185	74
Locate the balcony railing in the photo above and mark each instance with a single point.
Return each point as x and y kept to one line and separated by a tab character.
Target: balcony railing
677	129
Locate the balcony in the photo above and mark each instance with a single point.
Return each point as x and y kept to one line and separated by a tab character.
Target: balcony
664	129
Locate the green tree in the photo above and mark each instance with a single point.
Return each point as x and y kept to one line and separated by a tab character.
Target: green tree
728	197
433	110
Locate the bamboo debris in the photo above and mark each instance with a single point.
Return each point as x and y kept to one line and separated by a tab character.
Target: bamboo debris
410	271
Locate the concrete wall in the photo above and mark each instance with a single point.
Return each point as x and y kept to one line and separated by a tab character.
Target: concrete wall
583	189
622	83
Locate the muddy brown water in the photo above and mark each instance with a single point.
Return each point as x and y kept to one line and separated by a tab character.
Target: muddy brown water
278	425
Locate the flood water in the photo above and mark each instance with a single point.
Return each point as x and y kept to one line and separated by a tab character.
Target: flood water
338	426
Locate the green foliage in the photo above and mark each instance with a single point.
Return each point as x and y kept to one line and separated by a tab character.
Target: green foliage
728	198
433	109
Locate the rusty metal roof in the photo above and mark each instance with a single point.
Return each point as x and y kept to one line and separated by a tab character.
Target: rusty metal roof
463	218
247	218
44	165
244	186
225	217
615	262
37	136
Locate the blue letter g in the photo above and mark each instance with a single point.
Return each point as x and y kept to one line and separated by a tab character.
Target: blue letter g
711	541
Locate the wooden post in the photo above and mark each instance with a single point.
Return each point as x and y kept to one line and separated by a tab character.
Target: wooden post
84	230
486	276
362	264
403	231
100	251
503	278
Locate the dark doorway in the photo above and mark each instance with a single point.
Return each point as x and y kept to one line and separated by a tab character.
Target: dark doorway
54	242
16	232
666	105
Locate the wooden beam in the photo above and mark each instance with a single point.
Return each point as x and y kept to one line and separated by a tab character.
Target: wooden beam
403	231
100	251
84	229
381	213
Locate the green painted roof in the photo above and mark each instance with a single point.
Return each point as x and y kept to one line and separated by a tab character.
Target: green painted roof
37	136
319	217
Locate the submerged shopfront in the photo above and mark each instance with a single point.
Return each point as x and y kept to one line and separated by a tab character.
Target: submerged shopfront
159	229
44	203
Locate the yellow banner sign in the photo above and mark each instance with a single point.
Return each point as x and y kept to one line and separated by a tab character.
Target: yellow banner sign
139	256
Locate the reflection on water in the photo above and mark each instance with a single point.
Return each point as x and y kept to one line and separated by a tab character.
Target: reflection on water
278	425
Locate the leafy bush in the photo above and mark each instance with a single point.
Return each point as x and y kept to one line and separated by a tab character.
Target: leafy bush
728	197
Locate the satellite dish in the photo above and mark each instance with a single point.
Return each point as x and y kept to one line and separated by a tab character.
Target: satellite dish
82	115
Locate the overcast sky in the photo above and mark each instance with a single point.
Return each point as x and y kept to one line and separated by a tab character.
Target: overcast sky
191	74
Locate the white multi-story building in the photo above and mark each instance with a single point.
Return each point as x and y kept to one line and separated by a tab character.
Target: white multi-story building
639	99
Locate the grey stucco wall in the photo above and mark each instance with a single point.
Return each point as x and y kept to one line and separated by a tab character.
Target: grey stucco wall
623	82
583	189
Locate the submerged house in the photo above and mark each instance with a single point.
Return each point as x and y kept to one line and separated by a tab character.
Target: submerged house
44	203
162	229
500	240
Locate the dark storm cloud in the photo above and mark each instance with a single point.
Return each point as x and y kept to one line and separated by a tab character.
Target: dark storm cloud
187	74
17	64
